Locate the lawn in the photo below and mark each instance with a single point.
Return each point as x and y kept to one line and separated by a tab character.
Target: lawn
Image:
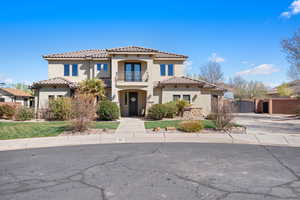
174	123
13	130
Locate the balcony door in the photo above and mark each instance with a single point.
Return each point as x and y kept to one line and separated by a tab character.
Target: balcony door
133	72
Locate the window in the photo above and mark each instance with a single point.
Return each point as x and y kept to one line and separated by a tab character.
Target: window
187	98
170	70
105	67
66	70
2	100
133	72
50	97
176	97
162	69
99	67
74	70
102	66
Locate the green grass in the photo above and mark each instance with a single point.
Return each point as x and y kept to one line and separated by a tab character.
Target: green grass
13	130
174	123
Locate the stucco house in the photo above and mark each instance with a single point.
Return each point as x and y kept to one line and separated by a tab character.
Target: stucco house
12	95
135	78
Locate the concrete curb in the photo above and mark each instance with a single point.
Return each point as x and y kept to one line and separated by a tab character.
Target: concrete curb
255	139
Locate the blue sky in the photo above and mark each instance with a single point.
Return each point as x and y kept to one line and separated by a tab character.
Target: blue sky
244	36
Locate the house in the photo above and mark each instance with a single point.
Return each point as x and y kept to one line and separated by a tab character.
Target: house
135	78
16	96
294	86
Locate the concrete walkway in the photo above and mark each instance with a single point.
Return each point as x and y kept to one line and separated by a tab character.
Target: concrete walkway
131	127
137	137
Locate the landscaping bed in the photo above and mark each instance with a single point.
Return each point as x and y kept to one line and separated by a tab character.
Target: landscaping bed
173	126
13	130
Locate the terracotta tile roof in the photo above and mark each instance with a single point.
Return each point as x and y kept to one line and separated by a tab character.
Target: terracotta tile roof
54	82
188	81
131	49
63	82
16	92
104	53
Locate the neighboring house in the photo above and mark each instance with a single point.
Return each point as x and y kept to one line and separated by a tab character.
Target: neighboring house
135	78
16	96
293	85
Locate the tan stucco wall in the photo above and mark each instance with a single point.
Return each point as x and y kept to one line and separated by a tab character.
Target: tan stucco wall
198	99
45	92
86	69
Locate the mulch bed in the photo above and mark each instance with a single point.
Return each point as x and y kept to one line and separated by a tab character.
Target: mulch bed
88	132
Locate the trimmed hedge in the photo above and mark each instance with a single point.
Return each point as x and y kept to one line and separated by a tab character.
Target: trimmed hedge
191	126
108	110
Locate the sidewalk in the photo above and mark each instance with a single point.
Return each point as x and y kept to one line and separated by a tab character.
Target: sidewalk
260	139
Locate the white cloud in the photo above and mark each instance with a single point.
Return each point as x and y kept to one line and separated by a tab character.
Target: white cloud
294	9
259	70
215	58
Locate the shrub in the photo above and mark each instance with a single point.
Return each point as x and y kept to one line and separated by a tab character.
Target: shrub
7	111
181	105
223	116
84	110
171	109
211	116
60	108
24	114
191	126
157	111
108	110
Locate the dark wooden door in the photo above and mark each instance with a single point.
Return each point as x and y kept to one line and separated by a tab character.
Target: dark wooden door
133	103
265	107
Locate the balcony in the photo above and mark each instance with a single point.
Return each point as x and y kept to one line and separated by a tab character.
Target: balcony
132	80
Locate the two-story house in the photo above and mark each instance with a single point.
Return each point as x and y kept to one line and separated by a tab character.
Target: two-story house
135	78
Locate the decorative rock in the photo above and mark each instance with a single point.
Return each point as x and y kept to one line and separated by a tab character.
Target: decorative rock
156	129
104	130
170	128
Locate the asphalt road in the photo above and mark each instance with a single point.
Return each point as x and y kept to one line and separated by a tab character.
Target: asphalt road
177	171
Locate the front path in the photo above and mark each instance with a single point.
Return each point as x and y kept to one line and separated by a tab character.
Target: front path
131	127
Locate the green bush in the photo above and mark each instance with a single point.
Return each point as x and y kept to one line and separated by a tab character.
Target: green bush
171	109
191	126
108	110
181	105
157	111
24	114
212	116
60	108
7	111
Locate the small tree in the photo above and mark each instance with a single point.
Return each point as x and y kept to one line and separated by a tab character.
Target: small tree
181	105
291	47
94	87
211	72
223	115
84	110
285	90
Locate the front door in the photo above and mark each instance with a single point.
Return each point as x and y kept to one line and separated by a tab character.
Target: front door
133	103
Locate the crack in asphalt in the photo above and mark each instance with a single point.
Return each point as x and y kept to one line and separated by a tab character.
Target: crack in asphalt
21	186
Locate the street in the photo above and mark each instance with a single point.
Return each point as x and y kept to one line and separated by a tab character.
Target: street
174	171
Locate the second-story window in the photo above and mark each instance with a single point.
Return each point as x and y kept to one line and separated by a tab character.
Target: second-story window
66	70
74	70
170	70
162	69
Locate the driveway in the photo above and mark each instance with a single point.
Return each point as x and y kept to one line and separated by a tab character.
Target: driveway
151	171
269	124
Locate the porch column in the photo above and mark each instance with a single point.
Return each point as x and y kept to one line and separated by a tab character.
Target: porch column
114	74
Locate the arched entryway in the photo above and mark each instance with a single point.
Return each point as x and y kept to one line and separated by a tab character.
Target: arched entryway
132	102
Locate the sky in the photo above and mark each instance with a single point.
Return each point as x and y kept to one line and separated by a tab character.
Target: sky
243	36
